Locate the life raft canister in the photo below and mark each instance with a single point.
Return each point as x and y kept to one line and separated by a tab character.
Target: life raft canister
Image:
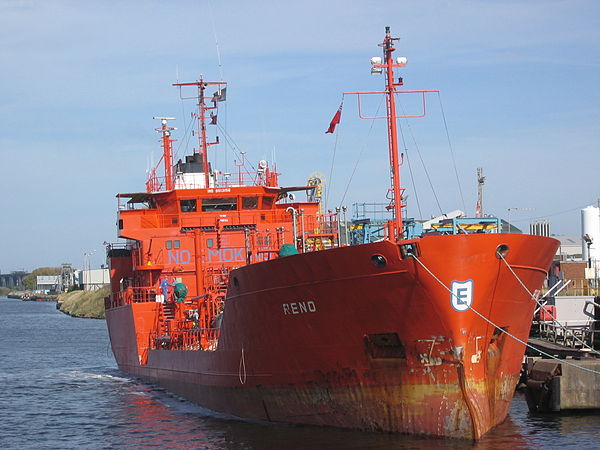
180	290
287	250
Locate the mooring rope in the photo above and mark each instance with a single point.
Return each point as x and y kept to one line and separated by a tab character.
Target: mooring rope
242	368
563	361
556	322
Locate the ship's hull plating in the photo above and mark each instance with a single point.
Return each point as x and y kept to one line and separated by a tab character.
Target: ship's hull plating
331	338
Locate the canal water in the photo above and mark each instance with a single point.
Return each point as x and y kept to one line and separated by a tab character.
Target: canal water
60	388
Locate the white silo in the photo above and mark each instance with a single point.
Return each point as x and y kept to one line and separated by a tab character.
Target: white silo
590	227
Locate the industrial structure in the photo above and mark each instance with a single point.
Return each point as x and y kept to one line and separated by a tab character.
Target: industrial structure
13	279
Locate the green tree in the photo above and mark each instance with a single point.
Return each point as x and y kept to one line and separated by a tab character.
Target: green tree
30	281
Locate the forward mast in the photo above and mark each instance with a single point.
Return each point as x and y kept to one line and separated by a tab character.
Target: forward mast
395	227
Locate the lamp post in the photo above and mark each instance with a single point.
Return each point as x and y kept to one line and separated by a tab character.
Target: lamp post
588	241
86	266
83	280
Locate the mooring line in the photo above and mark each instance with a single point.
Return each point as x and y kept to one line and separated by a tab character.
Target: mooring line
242	368
502	329
556	322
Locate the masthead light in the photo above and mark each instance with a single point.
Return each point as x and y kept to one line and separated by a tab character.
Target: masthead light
401	60
376	60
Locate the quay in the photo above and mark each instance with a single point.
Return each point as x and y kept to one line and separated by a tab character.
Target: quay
563	385
567	375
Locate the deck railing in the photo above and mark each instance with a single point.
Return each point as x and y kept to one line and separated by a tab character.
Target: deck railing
572	336
157	183
129	296
186	339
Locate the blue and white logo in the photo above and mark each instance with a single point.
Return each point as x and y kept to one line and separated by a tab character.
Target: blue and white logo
462	295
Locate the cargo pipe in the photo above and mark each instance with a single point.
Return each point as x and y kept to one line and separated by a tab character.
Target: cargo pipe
294	224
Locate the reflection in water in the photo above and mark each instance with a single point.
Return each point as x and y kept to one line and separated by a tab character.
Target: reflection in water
159	418
144	419
60	389
154	417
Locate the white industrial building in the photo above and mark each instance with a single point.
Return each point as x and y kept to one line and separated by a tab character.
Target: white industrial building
590	231
570	248
93	279
47	283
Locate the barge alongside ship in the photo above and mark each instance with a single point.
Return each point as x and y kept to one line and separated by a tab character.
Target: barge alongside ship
236	298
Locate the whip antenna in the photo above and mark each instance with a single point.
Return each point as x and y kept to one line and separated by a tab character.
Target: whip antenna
212	21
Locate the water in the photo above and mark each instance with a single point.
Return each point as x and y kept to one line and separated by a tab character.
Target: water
60	388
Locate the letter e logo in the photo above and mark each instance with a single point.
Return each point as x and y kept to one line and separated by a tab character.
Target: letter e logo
462	295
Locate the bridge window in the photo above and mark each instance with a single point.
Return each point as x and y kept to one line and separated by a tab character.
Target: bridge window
249	202
176	244
169	245
219	204
267	202
209	243
188	205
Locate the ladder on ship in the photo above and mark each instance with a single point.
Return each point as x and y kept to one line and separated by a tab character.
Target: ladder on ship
169	311
167	319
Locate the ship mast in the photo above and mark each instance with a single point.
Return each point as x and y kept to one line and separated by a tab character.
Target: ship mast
203	143
397	229
480	183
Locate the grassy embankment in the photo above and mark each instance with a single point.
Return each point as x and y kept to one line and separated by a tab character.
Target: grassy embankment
86	304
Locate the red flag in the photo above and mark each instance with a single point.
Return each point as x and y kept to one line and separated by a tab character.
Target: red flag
335	120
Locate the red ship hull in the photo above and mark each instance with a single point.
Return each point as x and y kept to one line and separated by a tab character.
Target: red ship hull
329	338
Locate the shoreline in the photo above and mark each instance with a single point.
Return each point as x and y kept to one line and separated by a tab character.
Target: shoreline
83	304
79	304
28	296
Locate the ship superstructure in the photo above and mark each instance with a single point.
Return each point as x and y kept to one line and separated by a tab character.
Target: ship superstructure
236	296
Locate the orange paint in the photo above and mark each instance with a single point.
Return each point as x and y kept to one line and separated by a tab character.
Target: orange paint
360	336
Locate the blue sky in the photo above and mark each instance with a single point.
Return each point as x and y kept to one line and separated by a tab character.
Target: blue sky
80	82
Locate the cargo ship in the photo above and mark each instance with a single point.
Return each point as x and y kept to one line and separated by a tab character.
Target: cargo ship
230	292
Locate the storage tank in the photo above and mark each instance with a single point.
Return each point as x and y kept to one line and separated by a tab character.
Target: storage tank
590	225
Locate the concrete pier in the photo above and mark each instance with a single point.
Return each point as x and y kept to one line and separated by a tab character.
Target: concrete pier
556	385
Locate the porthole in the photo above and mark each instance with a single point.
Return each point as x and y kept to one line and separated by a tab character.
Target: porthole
378	261
502	251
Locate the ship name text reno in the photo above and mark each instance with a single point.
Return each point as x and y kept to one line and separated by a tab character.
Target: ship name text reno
299	307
